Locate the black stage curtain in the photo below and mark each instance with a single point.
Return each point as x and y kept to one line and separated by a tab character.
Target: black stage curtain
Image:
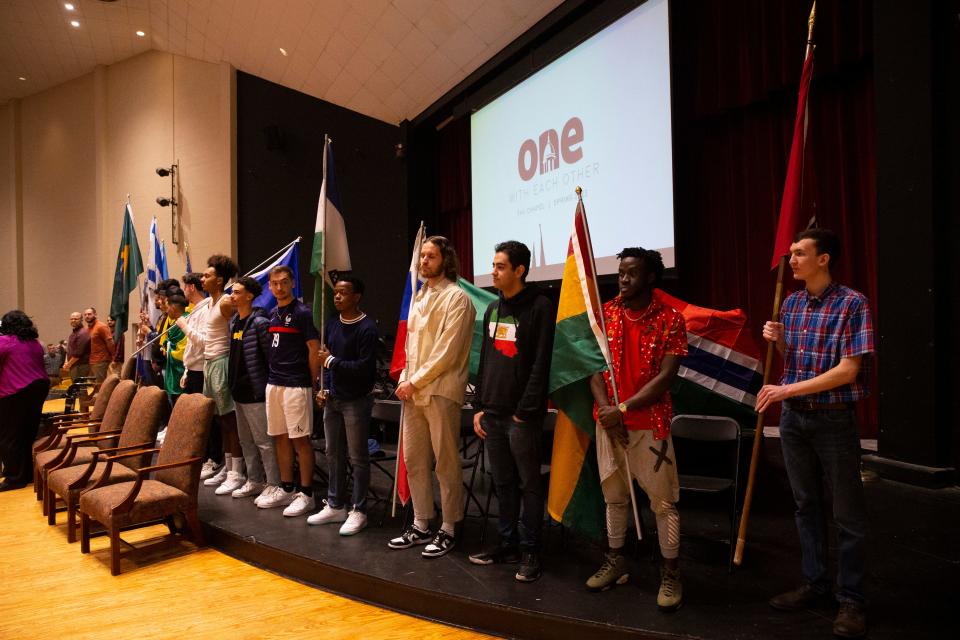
736	67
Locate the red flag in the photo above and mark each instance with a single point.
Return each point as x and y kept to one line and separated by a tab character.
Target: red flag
790	218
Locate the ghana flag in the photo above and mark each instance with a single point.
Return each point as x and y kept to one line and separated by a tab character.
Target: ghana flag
129	267
575	498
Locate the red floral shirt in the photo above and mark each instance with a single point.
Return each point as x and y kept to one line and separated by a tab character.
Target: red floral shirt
638	343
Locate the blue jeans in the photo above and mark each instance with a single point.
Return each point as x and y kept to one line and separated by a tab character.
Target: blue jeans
827	440
348	420
514	451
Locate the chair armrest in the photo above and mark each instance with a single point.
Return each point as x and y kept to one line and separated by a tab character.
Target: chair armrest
70	417
169	465
77	425
132	454
131	447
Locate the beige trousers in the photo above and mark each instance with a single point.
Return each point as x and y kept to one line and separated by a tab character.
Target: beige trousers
433	431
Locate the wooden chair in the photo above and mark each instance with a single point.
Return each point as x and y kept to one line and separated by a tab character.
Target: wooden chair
171	490
139	432
70	454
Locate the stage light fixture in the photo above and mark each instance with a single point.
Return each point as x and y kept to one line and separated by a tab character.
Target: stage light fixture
163	172
166	202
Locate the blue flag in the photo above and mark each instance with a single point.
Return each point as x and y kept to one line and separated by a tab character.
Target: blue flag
289	258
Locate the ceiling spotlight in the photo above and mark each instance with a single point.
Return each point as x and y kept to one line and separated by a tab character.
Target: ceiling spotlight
165	202
74	23
68	6
283	51
21	78
141	33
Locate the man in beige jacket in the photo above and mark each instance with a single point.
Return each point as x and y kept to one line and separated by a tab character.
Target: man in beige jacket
439	331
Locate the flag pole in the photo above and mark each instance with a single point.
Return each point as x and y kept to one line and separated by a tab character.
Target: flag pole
323	258
606	355
205	300
768	363
396	463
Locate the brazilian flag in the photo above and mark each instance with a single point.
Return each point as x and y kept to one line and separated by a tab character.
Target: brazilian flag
129	267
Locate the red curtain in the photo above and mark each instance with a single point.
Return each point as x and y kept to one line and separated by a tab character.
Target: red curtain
736	66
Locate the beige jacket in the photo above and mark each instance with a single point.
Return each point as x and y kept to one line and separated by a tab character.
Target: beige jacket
439	333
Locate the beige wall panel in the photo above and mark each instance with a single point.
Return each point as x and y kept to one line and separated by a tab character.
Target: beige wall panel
8	214
61	248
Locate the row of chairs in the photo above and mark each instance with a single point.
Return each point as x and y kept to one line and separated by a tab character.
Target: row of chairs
102	465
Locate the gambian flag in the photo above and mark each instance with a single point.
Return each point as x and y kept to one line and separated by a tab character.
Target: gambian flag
129	267
722	372
574	497
330	252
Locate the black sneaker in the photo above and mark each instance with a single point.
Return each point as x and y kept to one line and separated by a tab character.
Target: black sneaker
413	535
529	570
503	554
441	544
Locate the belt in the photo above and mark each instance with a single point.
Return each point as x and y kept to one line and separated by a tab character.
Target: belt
817	406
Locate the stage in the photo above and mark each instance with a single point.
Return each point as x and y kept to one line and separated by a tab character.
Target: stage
914	567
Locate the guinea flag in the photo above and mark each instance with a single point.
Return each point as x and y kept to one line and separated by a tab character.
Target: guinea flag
129	268
575	498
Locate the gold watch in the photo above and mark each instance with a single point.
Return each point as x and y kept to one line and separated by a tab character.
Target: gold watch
622	407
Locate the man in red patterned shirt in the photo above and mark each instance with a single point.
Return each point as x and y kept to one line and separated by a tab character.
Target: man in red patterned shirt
647	341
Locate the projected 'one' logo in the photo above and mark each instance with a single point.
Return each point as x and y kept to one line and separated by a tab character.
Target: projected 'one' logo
544	156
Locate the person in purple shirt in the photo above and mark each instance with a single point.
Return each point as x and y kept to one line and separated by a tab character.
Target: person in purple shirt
825	336
23	388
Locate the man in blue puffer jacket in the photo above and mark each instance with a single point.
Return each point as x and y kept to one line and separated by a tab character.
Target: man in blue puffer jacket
247	376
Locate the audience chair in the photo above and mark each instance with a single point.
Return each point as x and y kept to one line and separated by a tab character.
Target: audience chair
129	369
707	452
160	491
139	432
63	423
113	418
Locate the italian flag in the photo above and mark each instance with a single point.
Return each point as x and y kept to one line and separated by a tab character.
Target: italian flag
575	498
330	252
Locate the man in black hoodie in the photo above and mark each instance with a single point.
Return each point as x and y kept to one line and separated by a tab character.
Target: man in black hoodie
512	398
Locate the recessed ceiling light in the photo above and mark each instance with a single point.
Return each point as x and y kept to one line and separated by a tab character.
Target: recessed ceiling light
21	78
283	51
74	23
141	33
68	6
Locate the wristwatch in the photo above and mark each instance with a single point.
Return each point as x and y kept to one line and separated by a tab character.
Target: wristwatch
622	407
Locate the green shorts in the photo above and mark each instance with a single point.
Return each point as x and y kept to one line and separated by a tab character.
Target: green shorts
215	385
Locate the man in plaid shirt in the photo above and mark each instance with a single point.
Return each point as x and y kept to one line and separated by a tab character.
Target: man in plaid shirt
825	336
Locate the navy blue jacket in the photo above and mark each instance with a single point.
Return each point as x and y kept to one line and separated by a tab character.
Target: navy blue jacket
255	350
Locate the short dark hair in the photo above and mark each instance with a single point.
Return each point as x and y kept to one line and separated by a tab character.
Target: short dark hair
826	242
451	264
518	254
252	285
224	266
168	284
282	268
652	260
193	278
17	323
177	299
353	281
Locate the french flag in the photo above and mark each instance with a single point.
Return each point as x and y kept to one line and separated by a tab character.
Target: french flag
399	359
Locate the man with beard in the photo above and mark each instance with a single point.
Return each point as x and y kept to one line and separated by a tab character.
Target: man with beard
101	344
78	349
432	385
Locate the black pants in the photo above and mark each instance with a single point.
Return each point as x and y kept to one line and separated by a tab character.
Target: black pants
19	422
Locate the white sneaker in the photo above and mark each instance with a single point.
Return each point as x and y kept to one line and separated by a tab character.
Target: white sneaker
209	468
217	479
161	436
233	482
328	514
278	498
300	505
248	489
267	492
356	521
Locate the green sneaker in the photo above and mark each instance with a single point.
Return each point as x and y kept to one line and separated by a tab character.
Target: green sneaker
670	596
613	571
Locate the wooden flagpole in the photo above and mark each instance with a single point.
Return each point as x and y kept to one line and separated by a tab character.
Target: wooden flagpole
768	363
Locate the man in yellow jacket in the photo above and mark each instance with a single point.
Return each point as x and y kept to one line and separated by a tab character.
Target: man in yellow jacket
439	333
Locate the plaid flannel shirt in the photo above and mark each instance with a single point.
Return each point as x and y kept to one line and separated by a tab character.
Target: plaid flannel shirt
819	331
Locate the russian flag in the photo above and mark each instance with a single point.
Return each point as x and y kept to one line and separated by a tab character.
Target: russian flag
410	287
722	372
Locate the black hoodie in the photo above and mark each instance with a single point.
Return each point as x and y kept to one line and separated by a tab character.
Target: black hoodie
515	367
